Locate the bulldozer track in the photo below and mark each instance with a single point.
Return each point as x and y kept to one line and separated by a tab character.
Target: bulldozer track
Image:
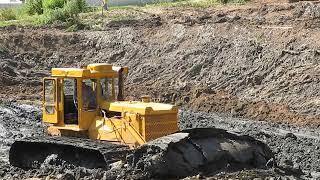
33	151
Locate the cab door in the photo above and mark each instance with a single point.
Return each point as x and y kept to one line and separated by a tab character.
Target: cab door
50	100
87	102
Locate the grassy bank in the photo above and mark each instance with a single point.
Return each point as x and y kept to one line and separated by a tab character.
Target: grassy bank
40	12
71	12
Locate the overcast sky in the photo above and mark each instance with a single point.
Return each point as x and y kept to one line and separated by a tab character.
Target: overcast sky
6	1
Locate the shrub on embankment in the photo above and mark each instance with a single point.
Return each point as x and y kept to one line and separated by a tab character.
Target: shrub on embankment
45	11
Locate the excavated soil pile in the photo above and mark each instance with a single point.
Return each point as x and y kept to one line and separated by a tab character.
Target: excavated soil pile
256	61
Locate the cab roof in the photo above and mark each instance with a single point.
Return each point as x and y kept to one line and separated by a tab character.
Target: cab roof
97	70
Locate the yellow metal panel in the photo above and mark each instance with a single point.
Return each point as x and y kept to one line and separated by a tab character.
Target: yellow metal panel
117	130
140	107
98	70
60	99
160	125
50	118
72	127
69	72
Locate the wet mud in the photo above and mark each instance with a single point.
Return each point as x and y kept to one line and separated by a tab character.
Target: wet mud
295	149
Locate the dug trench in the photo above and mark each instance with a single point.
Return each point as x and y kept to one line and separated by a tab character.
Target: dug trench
259	62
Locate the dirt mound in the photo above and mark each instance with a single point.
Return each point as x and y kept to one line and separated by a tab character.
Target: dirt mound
18	77
259	62
202	150
293	146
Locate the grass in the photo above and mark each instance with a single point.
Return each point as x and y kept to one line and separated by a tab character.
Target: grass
22	21
74	12
40	12
7	15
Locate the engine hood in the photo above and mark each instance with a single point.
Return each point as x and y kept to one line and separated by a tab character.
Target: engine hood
142	108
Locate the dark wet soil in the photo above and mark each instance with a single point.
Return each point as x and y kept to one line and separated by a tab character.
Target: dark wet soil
296	149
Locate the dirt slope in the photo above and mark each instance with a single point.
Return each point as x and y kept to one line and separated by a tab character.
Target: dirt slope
256	61
260	62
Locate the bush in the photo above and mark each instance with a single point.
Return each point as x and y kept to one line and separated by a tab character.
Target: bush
50	6
74	7
51	16
68	13
7	14
33	7
53	4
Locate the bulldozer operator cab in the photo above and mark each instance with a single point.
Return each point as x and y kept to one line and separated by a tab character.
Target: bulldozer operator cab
72	96
88	102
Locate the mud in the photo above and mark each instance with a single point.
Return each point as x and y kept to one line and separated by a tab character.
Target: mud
296	151
32	152
195	151
17	121
294	147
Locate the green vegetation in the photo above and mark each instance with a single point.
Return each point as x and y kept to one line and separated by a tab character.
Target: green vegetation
52	4
74	12
7	14
32	7
39	12
68	12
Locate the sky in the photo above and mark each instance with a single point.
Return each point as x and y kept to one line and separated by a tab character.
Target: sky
7	1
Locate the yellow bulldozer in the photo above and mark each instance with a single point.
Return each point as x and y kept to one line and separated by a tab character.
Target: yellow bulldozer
91	125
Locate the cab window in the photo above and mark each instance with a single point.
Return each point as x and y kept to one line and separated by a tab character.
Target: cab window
89	100
49	95
106	89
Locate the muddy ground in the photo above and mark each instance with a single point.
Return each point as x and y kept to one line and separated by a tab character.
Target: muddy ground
255	61
297	151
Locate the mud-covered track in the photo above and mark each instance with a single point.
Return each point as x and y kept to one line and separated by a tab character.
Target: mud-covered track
32	152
